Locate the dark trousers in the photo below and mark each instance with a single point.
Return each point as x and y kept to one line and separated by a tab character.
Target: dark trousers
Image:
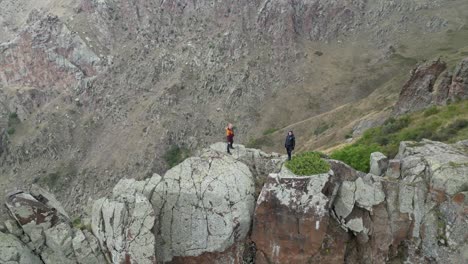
289	150
229	145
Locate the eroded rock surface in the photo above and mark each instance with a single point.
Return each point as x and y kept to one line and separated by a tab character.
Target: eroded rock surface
420	91
205	204
291	218
14	251
202	211
417	91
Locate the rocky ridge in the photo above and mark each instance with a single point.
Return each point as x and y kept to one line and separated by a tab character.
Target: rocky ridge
204	211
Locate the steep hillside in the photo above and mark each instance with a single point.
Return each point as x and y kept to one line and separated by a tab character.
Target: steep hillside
100	90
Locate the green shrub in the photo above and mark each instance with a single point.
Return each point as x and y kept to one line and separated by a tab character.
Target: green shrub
77	223
176	155
393	125
13	119
308	163
13	115
11	130
357	156
451	130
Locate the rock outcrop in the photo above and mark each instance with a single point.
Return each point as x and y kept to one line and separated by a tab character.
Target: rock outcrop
203	211
47	54
417	92
291	218
420	92
48	232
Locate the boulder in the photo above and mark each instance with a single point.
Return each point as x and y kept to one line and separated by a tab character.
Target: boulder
368	192
124	224
13	251
49	232
291	218
344	202
378	163
204	205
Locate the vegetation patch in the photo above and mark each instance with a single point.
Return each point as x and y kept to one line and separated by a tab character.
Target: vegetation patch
308	163
176	155
13	121
431	111
356	155
77	223
447	124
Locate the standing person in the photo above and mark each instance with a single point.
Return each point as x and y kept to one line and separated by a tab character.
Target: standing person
229	137
290	143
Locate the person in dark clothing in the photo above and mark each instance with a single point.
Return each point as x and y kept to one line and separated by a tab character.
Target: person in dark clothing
229	137
290	143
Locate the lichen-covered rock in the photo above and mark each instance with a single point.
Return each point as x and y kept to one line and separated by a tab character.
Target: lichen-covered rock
205	204
13	251
260	163
442	166
369	192
295	208
378	163
49	231
123	225
87	248
345	200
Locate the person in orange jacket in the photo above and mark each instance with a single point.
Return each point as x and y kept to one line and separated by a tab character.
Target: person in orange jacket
230	137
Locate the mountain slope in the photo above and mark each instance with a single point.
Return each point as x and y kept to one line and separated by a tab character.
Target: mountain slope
106	88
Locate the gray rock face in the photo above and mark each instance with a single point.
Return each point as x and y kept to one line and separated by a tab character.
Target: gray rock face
123	225
86	248
260	163
378	163
201	211
13	251
444	166
204	204
393	170
48	231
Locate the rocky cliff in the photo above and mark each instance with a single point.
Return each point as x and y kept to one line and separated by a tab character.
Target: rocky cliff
93	91
423	88
205	210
